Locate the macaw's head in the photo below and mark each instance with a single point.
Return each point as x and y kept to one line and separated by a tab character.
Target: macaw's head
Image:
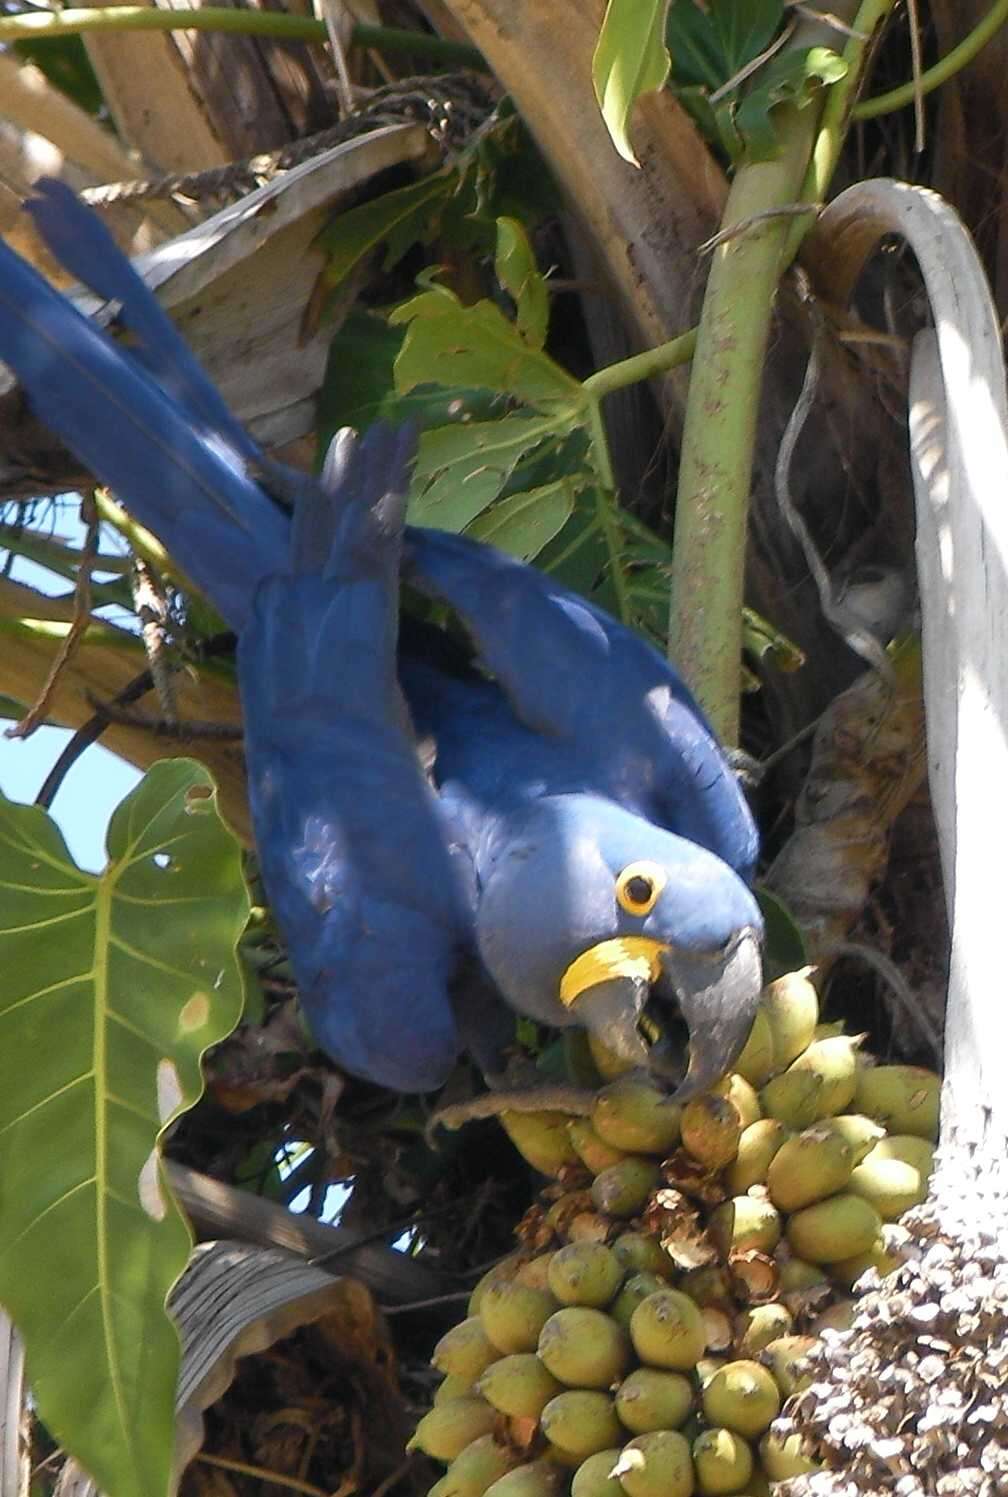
591	915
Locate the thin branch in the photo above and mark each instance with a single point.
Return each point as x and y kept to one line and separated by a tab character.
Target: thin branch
86	735
243	1468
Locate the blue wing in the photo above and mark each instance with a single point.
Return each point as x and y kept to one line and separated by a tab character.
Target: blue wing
572	673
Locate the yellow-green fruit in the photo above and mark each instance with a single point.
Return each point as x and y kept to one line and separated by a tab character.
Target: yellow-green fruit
742	1396
590	1149
809	1167
535	1273
746	1222
581	1422
722	1460
834	1229
781	1459
915	1151
838	1317
633	1115
756	1063
667	1330
756	1327
593	1478
507	1268
904	1098
465	1351
623	1188
514	1314
784	1358
891	1185
649	1399
757	1146
585	1273
608	1064
589	1226
657	1464
520	1385
796	1276
742	1095
639	1254
449	1427
820	1083
584	1348
636	1289
537	1479
878	1256
859	1133
478	1467
711	1128
452	1387
709	1286
791	1005
541	1138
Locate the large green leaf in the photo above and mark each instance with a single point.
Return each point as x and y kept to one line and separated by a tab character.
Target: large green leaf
711	43
794	77
112	988
630	60
396	219
525	523
462	469
516	270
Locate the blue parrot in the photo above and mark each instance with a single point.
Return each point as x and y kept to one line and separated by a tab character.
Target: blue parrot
577	844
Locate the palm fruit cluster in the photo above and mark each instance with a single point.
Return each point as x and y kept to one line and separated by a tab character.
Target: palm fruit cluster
647	1333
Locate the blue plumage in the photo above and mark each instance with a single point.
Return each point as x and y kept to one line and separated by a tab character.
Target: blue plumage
583	841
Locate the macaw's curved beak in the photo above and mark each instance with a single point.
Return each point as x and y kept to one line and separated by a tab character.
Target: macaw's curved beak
717	995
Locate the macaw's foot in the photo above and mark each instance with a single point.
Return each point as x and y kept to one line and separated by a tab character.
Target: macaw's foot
555	1097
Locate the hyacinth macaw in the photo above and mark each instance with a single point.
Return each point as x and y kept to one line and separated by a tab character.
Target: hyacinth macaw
578	845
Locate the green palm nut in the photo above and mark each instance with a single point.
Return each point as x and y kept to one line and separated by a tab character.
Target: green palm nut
796	1276
608	1064
785	1358
449	1427
710	1128
593	1478
636	1289
745	1222
709	1287
809	1167
514	1314
477	1468
623	1189
741	1396
831	1230
649	1399
519	1385
848	1270
722	1460
742	1095
859	1133
535	1272
639	1253
791	1005
507	1268
541	1138
819	1084
584	1348
757	1146
784	1458
756	1063
537	1479
756	1327
904	1098
593	1151
915	1151
581	1422
891	1185
633	1115
657	1464
452	1387
667	1330
465	1351
585	1273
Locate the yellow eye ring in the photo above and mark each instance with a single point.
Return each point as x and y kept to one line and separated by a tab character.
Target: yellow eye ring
638	887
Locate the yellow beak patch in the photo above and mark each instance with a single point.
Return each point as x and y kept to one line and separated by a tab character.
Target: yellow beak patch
623	956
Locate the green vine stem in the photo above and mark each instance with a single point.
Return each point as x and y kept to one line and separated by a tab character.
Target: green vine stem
38	25
945	68
708	568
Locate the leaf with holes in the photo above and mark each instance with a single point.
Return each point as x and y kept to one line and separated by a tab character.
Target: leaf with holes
516	270
790	78
113	987
630	60
524	524
460	470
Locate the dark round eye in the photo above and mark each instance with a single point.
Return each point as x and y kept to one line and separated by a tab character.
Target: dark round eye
638	887
638	890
